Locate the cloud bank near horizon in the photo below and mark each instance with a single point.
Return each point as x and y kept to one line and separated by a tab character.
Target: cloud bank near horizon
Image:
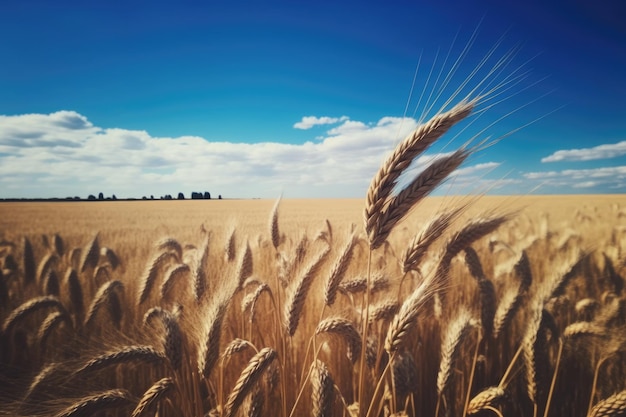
63	154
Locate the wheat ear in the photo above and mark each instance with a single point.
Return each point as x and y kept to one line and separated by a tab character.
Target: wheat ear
406	317
457	331
297	296
338	271
127	354
208	351
489	397
613	406
323	390
76	292
231	242
171	276
100	298
29	262
28	308
274	231
91	255
385	180
172	245
244	270
345	329
151	398
151	274
93	404
248	378
418	248
199	273
173	341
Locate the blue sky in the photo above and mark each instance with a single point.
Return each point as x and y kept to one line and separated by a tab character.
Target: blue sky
255	99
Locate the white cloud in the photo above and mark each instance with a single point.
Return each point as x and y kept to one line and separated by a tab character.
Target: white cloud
609	177
63	154
308	122
613	150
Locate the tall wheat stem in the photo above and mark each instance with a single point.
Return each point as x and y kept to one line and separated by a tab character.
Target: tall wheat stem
556	371
364	321
471	378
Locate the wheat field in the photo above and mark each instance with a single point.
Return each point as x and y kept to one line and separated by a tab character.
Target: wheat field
258	307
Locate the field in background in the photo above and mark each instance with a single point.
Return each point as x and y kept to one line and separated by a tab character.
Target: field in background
63	355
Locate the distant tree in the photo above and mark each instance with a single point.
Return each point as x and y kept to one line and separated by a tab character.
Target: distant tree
151	197
207	195
196	196
181	196
144	198
91	197
219	197
76	197
100	196
114	197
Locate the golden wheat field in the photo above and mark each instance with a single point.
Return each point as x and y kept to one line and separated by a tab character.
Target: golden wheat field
511	306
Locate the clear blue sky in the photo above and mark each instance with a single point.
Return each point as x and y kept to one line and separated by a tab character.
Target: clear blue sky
255	99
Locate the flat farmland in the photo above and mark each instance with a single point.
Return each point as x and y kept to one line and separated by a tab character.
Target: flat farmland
238	307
